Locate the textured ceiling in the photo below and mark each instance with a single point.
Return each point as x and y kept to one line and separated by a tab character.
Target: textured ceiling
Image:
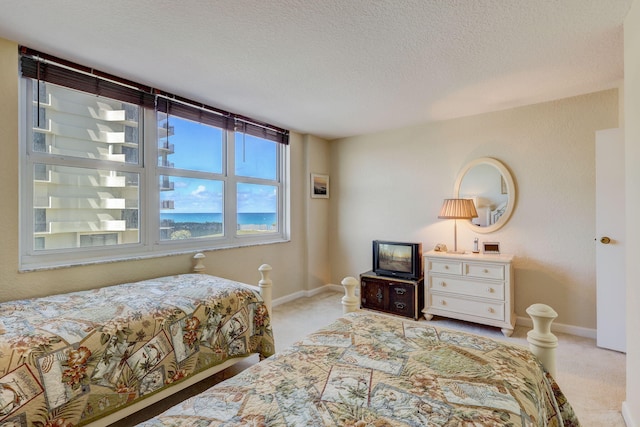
335	68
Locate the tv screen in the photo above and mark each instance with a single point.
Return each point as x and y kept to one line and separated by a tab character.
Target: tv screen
397	259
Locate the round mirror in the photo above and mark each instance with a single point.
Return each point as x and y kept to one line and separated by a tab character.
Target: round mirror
490	185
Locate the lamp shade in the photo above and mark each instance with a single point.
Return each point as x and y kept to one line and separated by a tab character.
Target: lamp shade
458	209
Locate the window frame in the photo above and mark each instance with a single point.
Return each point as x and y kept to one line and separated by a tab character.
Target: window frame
150	243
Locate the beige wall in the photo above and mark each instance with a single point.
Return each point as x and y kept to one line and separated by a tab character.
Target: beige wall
287	259
317	220
391	186
8	165
631	408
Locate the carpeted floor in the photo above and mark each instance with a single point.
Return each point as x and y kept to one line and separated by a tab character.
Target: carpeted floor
593	379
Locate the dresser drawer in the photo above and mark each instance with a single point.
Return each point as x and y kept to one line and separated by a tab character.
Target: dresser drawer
401	292
461	286
446	266
489	310
485	271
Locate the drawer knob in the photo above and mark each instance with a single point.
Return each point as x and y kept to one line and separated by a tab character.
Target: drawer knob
446	267
485	271
400	306
490	290
443	284
443	302
400	291
490	310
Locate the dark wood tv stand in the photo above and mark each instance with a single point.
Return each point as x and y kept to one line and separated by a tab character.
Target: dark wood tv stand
392	295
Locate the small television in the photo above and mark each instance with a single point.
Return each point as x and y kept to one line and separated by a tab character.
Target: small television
397	259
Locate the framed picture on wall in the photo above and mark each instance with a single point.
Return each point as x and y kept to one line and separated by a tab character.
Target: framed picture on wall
319	186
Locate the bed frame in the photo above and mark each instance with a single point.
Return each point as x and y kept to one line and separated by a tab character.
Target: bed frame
541	341
264	287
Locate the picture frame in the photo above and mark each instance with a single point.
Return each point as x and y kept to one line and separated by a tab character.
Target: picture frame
491	247
319	186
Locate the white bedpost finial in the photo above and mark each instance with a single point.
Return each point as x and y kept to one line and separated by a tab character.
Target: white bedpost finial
542	342
350	301
199	267
265	285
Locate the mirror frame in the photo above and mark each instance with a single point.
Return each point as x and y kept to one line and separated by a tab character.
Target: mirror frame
511	191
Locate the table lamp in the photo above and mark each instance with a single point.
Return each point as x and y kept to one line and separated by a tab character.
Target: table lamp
456	209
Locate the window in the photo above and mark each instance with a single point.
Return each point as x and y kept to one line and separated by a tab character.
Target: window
150	175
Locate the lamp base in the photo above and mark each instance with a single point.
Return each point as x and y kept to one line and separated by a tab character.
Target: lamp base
456	252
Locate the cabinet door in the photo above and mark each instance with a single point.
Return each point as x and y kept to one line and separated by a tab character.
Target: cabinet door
372	293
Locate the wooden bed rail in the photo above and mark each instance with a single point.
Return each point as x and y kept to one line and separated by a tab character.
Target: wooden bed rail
265	284
541	341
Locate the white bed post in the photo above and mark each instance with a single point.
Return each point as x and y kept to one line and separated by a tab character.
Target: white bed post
542	342
350	301
199	266
265	285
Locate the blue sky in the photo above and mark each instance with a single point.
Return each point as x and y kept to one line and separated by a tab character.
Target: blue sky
199	147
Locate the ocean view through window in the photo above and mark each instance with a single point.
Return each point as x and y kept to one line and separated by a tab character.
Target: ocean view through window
208	224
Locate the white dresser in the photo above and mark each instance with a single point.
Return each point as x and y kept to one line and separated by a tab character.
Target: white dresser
472	287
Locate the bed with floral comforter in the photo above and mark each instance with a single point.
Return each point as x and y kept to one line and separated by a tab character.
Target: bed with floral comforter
70	359
371	370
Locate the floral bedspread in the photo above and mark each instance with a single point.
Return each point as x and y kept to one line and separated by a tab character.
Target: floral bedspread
68	359
370	370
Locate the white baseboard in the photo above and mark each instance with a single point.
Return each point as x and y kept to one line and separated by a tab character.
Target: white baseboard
626	415
561	328
285	299
307	294
335	288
